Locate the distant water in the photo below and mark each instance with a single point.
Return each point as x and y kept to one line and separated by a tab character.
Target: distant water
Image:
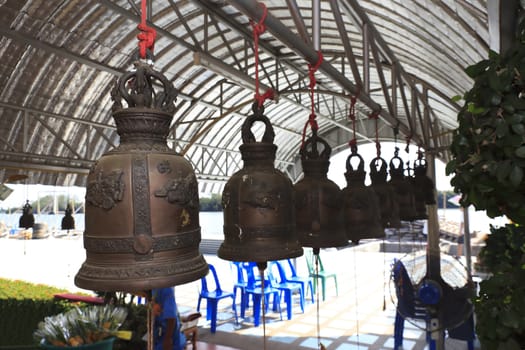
211	222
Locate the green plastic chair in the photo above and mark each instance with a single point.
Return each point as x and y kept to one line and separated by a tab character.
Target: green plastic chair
322	274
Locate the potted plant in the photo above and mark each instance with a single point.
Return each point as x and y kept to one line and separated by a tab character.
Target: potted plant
93	328
488	168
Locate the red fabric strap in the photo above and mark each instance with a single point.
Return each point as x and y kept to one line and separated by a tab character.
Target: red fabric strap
147	35
258	29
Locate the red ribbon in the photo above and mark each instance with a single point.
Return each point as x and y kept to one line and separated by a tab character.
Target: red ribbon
312	118
147	35
258	29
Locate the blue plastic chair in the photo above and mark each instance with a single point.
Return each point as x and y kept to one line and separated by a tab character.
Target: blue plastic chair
254	289
288	289
213	297
304	281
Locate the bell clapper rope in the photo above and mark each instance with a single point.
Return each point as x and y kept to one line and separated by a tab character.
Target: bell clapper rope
262	266
356	299
375	116
316	261
150	320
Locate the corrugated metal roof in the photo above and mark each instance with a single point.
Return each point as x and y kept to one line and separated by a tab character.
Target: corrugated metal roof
60	58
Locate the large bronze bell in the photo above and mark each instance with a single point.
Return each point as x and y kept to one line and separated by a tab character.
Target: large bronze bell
318	200
423	189
362	217
388	205
258	202
142	206
403	190
68	221
27	219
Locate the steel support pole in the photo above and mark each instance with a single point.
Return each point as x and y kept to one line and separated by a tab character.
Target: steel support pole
433	252
466	245
316	24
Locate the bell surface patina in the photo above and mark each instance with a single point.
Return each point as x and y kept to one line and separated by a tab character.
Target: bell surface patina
388	206
142	206
318	200
258	202
360	204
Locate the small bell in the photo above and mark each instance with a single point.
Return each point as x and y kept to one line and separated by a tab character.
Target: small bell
258	202
318	202
424	182
68	221
27	219
403	190
385	193
423	189
142	206
360	204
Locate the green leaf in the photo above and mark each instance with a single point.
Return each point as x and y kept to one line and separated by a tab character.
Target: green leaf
520	152
515	176
476	69
501	129
456	98
503	170
495	100
518	129
451	167
514	118
471	108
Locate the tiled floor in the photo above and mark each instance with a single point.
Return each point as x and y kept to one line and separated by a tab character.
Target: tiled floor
354	319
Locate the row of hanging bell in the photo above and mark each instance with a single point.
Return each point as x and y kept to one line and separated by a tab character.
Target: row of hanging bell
142	206
413	191
319	201
424	193
259	215
27	220
68	221
361	208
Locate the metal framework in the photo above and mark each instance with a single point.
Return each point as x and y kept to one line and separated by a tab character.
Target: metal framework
59	59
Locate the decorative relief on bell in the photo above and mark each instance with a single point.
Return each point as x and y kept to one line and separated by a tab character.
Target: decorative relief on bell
105	190
180	190
258	202
142	206
318	207
361	210
136	89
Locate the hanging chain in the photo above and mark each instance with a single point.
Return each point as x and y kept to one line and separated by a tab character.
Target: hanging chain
258	29
316	256
147	35
351	115
375	115
150	320
263	301
312	118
